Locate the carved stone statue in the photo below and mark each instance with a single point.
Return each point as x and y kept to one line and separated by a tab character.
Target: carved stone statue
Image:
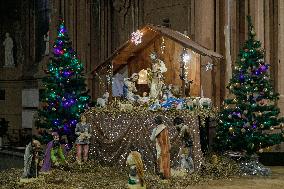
46	39
8	44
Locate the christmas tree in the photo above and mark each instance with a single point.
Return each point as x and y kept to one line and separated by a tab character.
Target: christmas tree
65	96
250	113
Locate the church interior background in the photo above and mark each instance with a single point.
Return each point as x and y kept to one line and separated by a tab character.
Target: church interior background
98	27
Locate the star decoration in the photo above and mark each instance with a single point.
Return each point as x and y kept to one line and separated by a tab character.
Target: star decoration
209	66
136	37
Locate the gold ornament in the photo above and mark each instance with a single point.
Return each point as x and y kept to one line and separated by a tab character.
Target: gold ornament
271	128
261	126
231	87
238	85
260	150
242	59
214	160
243	130
259	113
268	148
231	129
265	89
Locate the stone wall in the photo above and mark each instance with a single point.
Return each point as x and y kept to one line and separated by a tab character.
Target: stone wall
98	27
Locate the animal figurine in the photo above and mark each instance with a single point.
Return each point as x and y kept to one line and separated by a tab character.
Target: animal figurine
102	102
205	103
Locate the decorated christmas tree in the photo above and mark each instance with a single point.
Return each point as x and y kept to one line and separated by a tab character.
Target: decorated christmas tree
250	113
65	96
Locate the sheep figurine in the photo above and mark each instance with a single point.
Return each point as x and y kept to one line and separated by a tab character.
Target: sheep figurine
102	102
205	102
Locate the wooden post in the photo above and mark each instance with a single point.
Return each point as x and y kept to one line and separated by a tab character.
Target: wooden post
181	75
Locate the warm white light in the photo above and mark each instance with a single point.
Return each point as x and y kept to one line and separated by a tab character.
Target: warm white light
136	37
142	77
185	56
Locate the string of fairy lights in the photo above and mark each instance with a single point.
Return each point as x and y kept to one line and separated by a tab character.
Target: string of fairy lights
115	132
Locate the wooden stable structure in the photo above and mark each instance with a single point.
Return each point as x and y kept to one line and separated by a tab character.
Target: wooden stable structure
168	44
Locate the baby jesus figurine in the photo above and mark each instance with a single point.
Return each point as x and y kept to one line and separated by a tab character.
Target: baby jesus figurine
144	99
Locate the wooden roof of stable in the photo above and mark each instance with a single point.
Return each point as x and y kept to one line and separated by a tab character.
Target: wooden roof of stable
150	34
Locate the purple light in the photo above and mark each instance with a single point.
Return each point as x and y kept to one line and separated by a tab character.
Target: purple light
56	122
67	73
242	78
66	104
263	68
66	129
256	72
254	126
73	122
72	101
62	30
56	51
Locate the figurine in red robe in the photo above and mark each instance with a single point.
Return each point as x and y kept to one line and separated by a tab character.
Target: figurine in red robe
161	136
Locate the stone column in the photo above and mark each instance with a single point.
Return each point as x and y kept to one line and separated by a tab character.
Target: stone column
204	35
267	31
259	20
281	54
55	6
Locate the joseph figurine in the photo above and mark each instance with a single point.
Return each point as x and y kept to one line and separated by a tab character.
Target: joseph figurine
161	136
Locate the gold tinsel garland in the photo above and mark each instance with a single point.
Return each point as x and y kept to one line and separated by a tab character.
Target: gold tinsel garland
92	176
